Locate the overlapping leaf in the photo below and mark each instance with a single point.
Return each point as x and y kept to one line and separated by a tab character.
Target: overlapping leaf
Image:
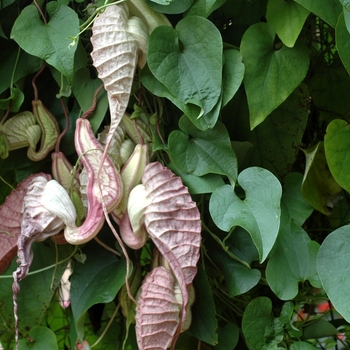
199	55
258	213
271	74
319	187
328	10
332	267
49	41
288	19
336	145
202	152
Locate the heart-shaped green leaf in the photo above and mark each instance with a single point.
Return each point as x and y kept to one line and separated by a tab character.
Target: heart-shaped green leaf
198	184
98	280
319	187
276	154
296	207
50	41
202	152
293	260
239	278
271	74
337	150
333	269
32	306
204	323
42	338
228	337
258	213
288	17
189	66
260	328
328	10
232	75
14	101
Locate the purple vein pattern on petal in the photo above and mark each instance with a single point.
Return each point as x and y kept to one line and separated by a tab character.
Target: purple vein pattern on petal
172	219
37	225
11	220
157	311
115	58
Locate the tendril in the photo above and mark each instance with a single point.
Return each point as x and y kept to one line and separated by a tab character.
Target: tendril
94	103
36	95
57	147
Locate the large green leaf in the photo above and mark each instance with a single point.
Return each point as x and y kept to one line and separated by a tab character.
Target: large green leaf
84	88
328	10
232	74
204	323
342	36
288	17
26	65
319	187
296	207
202	152
319	329
98	280
275	142
198	184
36	293
157	88
228	337
293	260
41	338
330	90
189	66
258	212
271	74
260	329
239	278
337	150
333	269
302	345
346	18
49	41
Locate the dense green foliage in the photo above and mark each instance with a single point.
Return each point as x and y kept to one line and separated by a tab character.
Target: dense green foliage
248	102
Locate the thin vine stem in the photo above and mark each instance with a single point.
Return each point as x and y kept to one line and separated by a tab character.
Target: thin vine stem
36	95
107	327
47	267
58	143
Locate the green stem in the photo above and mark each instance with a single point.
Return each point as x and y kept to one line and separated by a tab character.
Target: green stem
47	267
225	248
6	183
14	68
107	327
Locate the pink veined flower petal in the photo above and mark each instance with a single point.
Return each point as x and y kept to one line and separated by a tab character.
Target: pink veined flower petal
37	225
157	312
173	223
115	58
11	220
